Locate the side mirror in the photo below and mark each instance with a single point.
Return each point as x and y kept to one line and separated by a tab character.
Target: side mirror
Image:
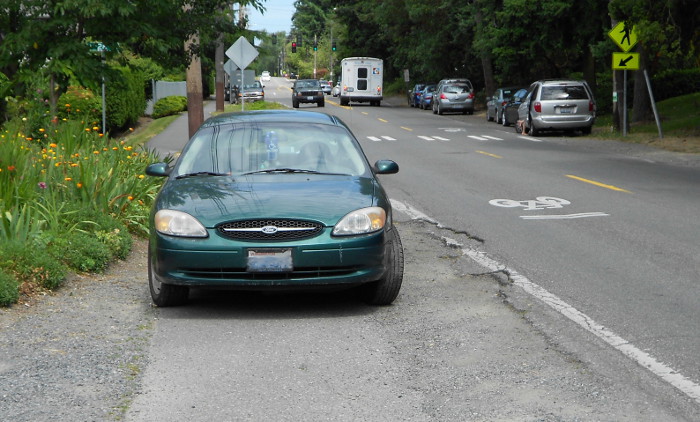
158	170
386	167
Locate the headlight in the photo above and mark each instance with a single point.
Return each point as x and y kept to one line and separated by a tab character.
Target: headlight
365	220
178	223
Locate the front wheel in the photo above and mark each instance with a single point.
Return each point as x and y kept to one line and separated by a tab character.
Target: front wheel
385	290
164	294
321	103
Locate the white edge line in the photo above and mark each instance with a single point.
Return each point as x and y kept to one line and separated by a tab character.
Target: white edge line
644	359
530	138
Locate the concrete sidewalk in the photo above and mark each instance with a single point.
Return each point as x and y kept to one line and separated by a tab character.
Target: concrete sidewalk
175	136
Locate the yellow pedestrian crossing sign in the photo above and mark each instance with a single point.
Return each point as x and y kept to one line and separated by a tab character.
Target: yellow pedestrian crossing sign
625	61
624	36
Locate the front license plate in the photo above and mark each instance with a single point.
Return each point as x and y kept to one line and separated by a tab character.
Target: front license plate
269	260
310	98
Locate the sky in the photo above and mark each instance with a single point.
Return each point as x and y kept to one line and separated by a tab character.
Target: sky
277	17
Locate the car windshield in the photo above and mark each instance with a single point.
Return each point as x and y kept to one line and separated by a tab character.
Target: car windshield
456	89
307	84
255	85
569	92
235	149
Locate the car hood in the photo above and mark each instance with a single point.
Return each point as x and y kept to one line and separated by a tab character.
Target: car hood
316	197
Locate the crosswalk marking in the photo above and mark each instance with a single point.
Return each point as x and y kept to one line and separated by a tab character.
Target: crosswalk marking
440	138
379	139
373	138
426	138
492	137
530	138
478	138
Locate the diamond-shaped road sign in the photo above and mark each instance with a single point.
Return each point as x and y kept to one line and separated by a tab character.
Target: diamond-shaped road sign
624	36
242	53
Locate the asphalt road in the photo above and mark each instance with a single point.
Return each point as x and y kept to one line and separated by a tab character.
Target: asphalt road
591	313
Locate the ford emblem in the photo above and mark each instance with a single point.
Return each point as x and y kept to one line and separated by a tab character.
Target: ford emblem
269	229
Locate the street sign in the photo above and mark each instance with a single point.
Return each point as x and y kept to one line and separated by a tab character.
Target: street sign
625	61
624	36
242	53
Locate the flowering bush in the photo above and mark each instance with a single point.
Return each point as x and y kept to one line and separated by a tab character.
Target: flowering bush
64	176
81	103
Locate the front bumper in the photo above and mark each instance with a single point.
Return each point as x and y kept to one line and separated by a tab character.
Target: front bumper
218	262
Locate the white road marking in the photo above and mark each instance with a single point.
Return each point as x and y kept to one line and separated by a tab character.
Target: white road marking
388	138
478	138
373	138
564	217
530	138
493	138
663	371
440	138
426	138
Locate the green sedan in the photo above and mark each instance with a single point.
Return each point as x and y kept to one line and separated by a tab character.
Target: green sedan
273	200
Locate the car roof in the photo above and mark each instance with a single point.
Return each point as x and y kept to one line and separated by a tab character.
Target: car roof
272	116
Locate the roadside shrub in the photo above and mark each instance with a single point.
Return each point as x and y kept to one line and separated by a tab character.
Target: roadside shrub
80	251
675	82
32	264
81	103
126	99
169	105
108	230
9	289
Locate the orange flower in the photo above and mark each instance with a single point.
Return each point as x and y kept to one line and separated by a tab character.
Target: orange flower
11	168
131	198
52	145
68	179
79	185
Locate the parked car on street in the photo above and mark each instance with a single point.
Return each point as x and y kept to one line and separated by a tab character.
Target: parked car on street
273	200
326	87
252	92
495	103
426	98
453	97
557	104
510	110
336	90
414	95
307	91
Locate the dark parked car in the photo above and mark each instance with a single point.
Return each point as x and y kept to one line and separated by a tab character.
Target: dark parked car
510	110
414	95
495	103
557	104
426	98
273	200
453	97
307	91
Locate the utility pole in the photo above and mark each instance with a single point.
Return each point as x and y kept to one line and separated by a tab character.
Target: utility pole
195	100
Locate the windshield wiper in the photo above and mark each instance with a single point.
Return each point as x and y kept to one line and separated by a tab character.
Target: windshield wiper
201	173
283	170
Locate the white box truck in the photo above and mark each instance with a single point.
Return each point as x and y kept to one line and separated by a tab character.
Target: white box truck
361	80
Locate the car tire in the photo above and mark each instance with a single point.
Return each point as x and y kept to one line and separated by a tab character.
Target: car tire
322	103
295	104
439	111
504	120
488	116
586	130
531	128
164	295
384	291
434	109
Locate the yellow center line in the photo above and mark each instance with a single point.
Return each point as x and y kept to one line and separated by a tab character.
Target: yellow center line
489	154
407	128
602	185
382	120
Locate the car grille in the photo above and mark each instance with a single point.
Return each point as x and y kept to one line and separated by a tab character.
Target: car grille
269	230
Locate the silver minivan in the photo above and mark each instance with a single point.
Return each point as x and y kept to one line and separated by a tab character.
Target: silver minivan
557	104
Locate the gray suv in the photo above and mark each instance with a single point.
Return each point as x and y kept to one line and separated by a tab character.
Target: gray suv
307	91
557	104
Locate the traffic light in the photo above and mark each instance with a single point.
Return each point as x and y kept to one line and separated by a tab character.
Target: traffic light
298	40
294	47
315	46
274	39
333	46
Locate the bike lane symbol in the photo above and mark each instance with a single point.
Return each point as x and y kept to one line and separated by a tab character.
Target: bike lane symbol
542	203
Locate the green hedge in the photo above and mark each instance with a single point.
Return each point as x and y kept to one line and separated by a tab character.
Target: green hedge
169	105
126	99
675	82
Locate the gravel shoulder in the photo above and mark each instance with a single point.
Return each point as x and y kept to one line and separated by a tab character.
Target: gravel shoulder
77	354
